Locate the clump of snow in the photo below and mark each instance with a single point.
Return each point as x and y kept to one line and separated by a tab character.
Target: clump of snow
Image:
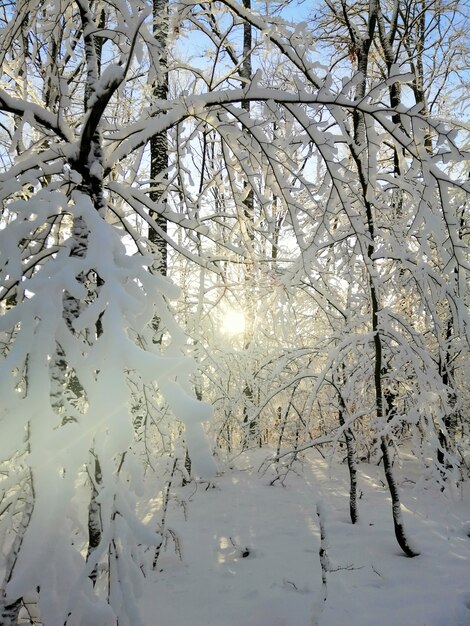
112	75
57	324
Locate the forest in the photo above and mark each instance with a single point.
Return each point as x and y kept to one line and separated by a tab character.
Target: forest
234	261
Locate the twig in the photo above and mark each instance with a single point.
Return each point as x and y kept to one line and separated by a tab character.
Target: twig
165	508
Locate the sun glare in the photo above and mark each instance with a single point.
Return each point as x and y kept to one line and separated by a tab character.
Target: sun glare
233	323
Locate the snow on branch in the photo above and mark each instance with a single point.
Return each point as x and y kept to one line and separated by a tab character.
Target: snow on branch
41	116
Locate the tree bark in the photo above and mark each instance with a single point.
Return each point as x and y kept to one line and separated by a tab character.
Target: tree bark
159	143
351	457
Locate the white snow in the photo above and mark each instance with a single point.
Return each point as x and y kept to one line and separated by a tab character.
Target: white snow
250	552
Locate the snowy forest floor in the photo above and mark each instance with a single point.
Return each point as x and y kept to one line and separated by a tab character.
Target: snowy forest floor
250	551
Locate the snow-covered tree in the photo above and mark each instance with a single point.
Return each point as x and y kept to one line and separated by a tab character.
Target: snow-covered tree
353	230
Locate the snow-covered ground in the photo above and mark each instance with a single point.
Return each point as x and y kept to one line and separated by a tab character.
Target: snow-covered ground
250	552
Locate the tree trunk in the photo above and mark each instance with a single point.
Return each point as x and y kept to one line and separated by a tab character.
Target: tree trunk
159	142
251	426
359	153
351	457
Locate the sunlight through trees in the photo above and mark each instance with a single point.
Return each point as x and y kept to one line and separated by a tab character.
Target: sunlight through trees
222	228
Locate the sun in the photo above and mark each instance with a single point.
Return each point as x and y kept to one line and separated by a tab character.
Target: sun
233	323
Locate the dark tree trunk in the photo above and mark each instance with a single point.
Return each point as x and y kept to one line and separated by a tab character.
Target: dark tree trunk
362	46
94	517
447	432
351	458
